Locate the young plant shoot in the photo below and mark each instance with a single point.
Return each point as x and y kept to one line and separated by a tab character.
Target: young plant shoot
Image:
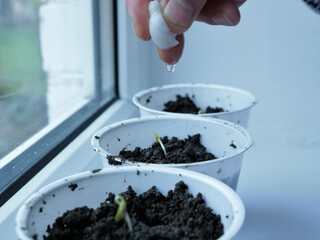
157	139
122	213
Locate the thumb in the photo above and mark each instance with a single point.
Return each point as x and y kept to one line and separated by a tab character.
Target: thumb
180	14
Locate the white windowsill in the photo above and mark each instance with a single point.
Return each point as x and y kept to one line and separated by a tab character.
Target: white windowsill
76	157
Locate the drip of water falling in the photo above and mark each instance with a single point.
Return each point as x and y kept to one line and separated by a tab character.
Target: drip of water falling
171	68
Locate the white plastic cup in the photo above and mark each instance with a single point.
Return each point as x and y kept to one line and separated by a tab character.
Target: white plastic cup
227	141
43	207
235	101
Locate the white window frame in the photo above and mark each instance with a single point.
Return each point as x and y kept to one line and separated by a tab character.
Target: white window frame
78	155
25	161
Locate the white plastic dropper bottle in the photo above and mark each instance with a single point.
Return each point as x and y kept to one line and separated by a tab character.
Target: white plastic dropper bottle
159	30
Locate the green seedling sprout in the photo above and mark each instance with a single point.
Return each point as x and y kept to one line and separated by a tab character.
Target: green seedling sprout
122	213
157	139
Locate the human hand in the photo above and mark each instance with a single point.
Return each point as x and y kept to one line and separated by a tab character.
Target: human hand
179	16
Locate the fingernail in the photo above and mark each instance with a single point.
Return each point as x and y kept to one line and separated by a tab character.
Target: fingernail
221	18
179	12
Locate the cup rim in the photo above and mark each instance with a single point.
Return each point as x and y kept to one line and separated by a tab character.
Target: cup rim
95	139
233	198
136	97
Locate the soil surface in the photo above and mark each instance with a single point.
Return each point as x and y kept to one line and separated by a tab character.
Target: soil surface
186	105
188	150
179	215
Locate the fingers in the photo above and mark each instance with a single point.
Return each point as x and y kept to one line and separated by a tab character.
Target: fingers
221	12
172	55
138	11
238	2
180	14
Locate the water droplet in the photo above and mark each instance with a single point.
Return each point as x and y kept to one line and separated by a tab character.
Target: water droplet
171	68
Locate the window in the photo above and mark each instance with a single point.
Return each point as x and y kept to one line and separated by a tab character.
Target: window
56	76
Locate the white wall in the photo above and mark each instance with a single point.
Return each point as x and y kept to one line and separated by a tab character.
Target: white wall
275	53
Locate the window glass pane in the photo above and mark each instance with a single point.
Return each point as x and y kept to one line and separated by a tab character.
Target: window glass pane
46	65
49	59
22	81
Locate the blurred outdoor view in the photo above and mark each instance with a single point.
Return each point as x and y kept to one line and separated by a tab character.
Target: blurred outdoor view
23	84
46	67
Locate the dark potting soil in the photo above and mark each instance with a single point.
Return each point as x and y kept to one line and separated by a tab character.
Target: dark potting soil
188	150
179	215
186	105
